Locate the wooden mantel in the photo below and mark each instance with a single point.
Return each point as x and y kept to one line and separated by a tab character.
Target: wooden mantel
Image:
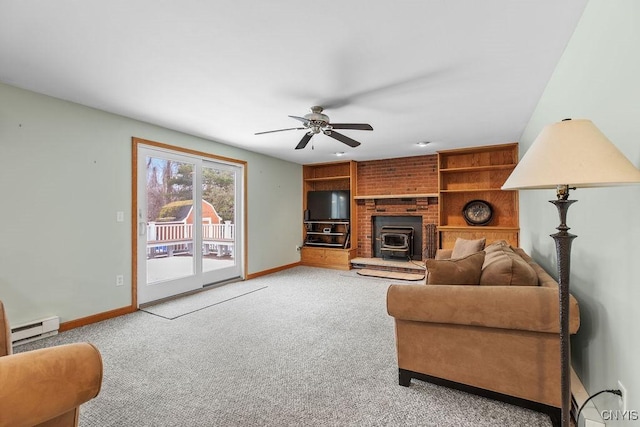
396	196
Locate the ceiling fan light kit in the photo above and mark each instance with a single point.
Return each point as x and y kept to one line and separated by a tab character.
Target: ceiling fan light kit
316	122
316	115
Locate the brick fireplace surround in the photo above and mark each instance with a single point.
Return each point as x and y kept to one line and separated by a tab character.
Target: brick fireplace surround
402	177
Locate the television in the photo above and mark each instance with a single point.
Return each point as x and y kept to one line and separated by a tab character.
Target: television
328	205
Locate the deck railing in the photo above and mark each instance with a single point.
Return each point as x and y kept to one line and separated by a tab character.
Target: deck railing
158	232
167	238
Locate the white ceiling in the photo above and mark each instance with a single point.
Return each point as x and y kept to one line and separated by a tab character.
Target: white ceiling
454	72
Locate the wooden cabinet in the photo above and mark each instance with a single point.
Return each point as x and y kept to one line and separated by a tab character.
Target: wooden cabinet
477	174
332	248
327	257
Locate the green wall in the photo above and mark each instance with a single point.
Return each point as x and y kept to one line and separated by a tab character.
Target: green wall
65	170
598	79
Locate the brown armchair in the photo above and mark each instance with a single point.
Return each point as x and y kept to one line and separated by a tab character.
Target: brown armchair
46	387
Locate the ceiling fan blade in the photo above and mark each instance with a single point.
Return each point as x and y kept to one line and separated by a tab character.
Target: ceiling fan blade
357	126
304	141
342	138
302	119
278	130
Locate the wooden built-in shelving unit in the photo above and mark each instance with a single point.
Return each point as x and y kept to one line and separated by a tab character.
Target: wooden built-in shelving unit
477	173
330	176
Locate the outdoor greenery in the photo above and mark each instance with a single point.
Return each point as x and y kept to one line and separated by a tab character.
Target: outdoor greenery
170	211
169	181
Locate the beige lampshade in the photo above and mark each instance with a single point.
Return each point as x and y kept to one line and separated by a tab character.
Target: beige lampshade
574	153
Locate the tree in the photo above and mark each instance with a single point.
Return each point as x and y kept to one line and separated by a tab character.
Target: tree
218	188
156	188
180	183
169	181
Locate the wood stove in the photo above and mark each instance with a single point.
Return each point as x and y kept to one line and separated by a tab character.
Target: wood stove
397	237
396	242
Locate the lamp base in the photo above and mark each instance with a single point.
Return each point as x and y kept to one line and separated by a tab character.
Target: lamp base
563	240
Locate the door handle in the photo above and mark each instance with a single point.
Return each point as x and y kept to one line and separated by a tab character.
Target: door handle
142	225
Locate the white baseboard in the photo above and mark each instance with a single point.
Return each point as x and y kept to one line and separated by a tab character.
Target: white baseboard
590	416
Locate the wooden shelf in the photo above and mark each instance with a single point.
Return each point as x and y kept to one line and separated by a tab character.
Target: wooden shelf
476	227
478	168
327	222
335	245
474	190
328	178
482	149
336	236
397	196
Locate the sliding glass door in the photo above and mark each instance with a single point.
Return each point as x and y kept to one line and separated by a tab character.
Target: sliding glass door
189	222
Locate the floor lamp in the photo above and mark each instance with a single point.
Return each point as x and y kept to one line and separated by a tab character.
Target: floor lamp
567	155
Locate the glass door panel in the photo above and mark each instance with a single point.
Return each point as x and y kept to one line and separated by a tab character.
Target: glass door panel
166	235
219	221
170	219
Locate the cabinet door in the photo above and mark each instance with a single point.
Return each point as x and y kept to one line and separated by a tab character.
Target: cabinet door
313	256
336	257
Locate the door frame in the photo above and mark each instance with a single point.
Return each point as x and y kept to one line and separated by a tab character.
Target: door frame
135	142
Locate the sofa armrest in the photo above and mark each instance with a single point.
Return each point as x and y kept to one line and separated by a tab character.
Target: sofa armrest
5	332
39	385
527	308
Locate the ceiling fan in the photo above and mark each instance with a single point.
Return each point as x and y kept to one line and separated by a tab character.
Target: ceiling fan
316	122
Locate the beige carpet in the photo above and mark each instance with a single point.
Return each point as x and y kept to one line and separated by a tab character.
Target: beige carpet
312	348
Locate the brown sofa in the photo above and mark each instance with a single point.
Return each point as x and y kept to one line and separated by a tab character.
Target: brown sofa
500	340
46	387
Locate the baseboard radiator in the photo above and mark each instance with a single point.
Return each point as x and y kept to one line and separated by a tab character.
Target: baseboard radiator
590	416
36	330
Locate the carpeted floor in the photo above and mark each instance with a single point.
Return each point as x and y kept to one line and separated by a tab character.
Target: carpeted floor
315	347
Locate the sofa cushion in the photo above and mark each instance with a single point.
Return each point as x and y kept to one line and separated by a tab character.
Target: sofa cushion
460	271
464	247
503	267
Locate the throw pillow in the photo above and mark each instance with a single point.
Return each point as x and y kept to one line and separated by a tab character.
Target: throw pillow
496	246
461	271
464	247
503	267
